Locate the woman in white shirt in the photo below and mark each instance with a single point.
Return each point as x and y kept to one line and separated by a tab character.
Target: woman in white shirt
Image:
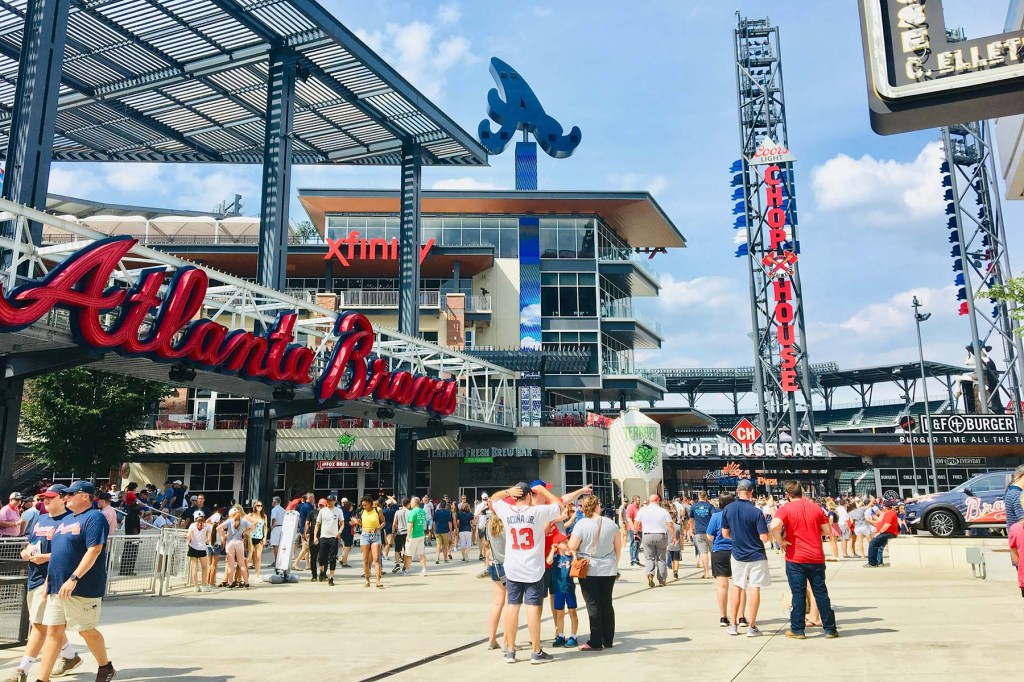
197	538
233	533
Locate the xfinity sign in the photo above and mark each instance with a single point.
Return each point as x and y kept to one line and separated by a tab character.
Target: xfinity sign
973	424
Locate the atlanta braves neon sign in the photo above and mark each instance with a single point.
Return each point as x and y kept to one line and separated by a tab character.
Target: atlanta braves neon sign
165	329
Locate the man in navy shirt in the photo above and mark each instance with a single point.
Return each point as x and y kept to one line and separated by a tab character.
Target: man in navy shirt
744	524
442	530
701	513
77	579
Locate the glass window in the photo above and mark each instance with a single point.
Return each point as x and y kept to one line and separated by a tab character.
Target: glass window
451	236
548	242
380	480
343	482
549	302
509	243
568	305
490	237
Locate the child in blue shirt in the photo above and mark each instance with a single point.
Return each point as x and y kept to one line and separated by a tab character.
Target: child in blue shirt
563	591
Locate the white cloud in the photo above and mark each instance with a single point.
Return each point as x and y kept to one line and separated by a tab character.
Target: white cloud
463	183
75	182
202	190
422	52
530	315
529	343
632	182
718	293
449	13
885	193
132	177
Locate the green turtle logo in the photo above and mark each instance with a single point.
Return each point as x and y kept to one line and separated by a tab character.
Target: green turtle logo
645	456
346	440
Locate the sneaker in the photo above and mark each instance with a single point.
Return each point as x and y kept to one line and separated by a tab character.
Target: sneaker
571	643
437	561
795	635
330	581
559	641
509	656
540	657
743	622
17	676
323	577
491	646
198	589
423	573
650	581
831	635
752	631
732	630
66	665
397	568
105	673
675	574
723	622
870	565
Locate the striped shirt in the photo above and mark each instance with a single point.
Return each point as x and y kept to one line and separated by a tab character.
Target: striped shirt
1012	503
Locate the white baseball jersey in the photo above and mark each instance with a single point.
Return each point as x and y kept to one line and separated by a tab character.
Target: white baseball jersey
524	538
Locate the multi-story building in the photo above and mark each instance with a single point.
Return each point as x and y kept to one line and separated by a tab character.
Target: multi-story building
596	250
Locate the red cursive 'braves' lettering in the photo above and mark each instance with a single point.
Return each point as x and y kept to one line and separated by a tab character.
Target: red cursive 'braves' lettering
165	329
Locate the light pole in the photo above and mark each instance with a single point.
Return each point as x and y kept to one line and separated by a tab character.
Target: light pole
910	429
920	317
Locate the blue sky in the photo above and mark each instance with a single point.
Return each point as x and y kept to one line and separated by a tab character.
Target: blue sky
652	88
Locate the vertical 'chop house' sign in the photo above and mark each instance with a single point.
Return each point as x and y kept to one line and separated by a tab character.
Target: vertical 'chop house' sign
781	259
161	326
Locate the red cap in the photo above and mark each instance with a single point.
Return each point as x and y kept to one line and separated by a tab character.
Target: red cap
559	537
322	503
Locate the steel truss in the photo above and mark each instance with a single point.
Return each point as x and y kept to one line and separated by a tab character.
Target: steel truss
487	391
981	257
762	113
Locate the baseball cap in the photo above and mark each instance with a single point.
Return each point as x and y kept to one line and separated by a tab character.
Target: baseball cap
16	496
177	483
322	503
55	490
198	514
745	485
344	500
81	487
484	496
332	497
558	537
540	482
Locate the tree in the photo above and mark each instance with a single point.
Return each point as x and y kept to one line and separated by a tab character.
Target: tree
1010	292
81	419
307	232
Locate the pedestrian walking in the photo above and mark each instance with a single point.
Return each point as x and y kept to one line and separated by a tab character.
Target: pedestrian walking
76	580
348	522
372	522
629	516
232	535
312	541
37	553
797	527
442	532
744	524
257	537
415	545
656	523
400	527
525	519
496	570
721	566
465	523
701	513
675	544
861	527
598	540
11	525
329	521
277	513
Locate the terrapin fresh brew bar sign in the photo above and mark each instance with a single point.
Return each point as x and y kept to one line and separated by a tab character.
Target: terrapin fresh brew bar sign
162	327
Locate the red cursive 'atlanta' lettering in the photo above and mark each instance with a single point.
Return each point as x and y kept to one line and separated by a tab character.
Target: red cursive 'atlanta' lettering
165	329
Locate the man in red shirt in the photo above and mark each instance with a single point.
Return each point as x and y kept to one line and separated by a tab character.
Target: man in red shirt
634	532
888	527
797	527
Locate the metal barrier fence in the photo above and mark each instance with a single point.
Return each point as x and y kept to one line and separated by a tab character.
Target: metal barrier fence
13	609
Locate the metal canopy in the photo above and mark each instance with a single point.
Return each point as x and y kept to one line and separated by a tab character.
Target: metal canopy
554	361
186	81
828	375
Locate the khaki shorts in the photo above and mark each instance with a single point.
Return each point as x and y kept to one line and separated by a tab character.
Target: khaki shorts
78	613
750	574
414	548
36	605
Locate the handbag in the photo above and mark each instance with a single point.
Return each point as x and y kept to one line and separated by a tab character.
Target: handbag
581	565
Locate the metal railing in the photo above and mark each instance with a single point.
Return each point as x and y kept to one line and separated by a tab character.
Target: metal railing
626	255
478	304
624	310
170	421
358	298
13	583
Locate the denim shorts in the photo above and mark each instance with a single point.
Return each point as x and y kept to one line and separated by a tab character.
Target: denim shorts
367	539
530	593
497	572
565	600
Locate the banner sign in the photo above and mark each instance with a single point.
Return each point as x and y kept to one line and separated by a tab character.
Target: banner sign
635	450
722	448
344	464
166	330
344	456
973	423
779	263
492	453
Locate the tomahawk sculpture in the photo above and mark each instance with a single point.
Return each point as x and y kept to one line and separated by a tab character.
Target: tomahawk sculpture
514	107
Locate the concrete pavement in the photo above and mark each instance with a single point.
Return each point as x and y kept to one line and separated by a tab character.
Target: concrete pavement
918	624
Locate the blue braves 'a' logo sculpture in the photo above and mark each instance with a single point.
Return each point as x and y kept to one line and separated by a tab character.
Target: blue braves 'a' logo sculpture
521	110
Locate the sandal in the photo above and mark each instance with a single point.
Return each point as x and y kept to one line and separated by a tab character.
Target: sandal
380	586
811	624
367	584
224	584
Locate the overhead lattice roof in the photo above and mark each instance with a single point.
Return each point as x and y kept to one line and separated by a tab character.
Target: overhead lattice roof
741	380
186	81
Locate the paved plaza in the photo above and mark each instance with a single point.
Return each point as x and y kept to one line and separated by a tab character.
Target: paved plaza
913	623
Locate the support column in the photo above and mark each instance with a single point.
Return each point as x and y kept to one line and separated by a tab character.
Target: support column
271	270
408	300
27	168
329	277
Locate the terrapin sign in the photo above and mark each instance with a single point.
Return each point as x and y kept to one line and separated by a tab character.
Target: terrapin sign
919	78
164	329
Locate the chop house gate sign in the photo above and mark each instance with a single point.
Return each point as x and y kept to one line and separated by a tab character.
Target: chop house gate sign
164	328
